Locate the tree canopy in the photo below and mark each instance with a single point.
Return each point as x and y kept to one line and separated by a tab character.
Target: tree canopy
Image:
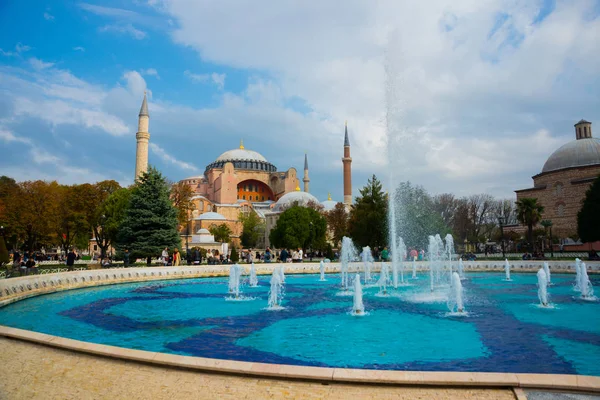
150	222
588	218
337	223
252	229
367	225
529	212
222	233
299	227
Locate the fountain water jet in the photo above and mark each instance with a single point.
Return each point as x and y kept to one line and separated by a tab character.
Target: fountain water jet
348	255
253	278
461	268
576	286
322	271
367	259
507	270
358	308
433	251
547	271
235	273
585	286
455	300
384	278
414	269
450	254
282	273
276	291
542	287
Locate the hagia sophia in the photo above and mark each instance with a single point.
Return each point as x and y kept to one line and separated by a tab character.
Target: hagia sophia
240	181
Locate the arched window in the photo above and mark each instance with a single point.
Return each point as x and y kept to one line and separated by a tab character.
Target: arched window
250	198
560	210
558	189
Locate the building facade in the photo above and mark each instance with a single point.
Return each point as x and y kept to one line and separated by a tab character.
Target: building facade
565	177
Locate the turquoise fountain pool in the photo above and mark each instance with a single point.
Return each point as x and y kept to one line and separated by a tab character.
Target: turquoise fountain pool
505	329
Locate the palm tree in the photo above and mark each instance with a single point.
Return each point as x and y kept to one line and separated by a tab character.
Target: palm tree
529	213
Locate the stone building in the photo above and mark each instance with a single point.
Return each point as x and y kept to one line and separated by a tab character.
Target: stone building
565	177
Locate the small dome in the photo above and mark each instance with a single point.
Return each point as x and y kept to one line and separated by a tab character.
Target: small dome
328	205
203	231
241	155
577	153
288	200
211	216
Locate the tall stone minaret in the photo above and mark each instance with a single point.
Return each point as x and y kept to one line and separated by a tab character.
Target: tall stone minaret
142	137
306	179
347	162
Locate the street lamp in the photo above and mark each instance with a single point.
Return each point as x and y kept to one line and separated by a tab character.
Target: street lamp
501	221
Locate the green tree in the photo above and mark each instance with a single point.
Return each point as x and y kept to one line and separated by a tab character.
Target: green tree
529	212
299	227
337	223
70	222
367	225
150	221
234	255
222	233
588	218
252	229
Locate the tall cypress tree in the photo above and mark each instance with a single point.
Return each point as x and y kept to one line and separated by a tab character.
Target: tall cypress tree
368	218
150	222
588	218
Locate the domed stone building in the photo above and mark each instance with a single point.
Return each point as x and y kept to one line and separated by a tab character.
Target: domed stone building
565	177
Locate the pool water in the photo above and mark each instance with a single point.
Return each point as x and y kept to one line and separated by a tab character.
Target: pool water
504	331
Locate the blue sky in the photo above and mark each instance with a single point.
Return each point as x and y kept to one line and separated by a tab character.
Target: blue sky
482	92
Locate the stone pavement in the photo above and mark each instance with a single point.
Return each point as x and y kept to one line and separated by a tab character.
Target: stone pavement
32	371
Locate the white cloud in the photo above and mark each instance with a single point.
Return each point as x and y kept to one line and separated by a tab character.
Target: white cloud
128	29
8	137
39	64
48	16
169	159
21	48
461	84
7	53
79	48
215	78
150	72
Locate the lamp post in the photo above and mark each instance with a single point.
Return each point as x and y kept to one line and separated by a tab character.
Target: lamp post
501	223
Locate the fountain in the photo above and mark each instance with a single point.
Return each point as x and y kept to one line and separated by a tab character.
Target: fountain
507	270
450	254
398	262
542	287
367	259
547	271
348	255
440	253
384	278
576	286
455	300
235	273
358	307
253	278
414	269
322	271
432	249
461	268
282	273
585	286
276	291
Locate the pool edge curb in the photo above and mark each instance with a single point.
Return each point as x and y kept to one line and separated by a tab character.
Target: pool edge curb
579	383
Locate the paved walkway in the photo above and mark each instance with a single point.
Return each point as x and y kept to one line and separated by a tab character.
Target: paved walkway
31	371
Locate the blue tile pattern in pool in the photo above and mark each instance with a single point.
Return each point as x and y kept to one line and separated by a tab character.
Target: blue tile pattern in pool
410	330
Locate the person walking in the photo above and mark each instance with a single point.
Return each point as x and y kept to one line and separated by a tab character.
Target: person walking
165	256
284	255
176	257
249	257
197	257
126	258
71	259
385	254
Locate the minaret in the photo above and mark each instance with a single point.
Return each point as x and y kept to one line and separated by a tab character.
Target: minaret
142	136
347	162
306	179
